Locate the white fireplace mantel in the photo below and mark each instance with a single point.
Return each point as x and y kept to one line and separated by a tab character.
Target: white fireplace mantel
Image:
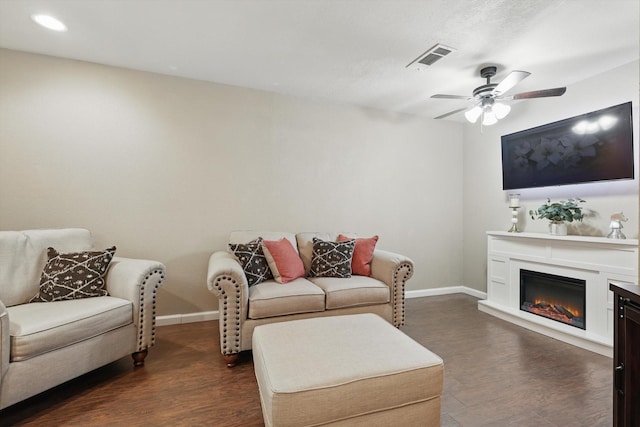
596	260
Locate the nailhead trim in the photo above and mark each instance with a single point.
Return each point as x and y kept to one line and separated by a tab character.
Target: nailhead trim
227	347
399	290
141	315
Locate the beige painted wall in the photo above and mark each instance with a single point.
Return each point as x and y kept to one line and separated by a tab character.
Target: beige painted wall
485	204
165	167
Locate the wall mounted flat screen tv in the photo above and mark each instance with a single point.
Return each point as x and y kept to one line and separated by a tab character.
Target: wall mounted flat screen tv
595	146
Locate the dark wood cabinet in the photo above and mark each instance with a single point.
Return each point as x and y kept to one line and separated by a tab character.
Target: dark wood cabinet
626	355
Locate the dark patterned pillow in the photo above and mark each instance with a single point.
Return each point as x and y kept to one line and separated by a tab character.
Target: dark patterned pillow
74	275
331	259
252	260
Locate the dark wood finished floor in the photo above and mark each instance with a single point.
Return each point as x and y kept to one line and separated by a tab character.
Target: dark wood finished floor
496	374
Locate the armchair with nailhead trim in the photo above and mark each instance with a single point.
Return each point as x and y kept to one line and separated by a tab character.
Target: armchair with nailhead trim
43	344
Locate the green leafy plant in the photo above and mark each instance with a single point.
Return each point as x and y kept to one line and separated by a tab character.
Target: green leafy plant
561	211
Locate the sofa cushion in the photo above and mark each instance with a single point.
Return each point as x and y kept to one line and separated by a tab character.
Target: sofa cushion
38	328
23	254
283	259
355	291
74	275
252	259
270	299
362	254
331	259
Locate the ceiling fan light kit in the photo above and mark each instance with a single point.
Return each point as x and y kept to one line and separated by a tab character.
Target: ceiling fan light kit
490	111
473	114
486	97
489	118
501	110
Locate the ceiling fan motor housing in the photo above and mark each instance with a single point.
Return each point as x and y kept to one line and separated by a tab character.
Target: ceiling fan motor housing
484	90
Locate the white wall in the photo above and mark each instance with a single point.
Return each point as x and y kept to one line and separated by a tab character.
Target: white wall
485	204
165	167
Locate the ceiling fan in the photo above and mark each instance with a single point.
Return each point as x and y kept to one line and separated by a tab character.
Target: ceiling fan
486	98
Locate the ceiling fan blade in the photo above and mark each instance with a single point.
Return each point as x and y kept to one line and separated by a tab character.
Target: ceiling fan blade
558	91
510	81
451	97
450	113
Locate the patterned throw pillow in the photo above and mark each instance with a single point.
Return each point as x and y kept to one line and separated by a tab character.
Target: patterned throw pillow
331	259
252	260
74	275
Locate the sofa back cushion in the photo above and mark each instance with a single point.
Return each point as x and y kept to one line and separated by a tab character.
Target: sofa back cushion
245	236
23	254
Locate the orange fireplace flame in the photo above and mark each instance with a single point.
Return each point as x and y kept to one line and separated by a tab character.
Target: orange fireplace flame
556	310
575	311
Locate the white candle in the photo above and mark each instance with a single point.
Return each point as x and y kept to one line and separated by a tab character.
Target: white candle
514	202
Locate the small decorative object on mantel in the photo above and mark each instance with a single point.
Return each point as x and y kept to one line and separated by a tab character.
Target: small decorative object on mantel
514	205
616	220
559	213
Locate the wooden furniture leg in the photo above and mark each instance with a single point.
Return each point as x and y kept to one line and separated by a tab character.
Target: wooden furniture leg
138	357
231	359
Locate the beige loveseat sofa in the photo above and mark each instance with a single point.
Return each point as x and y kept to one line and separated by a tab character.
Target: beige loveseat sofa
43	344
243	307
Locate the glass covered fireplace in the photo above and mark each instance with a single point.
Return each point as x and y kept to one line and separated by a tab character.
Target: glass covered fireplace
556	297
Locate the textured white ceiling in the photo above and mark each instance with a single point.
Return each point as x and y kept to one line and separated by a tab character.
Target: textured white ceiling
347	51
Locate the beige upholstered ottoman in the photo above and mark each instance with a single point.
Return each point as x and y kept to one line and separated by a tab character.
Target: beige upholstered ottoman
355	370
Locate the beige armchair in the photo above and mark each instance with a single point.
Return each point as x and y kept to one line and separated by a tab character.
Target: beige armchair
43	344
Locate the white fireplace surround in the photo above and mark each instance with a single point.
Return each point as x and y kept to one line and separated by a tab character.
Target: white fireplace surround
596	260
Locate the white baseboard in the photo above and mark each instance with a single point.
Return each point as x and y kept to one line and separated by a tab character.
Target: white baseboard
445	291
176	319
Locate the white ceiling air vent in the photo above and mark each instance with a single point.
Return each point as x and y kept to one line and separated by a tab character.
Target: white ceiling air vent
431	56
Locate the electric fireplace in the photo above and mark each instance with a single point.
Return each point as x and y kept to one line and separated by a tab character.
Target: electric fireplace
595	261
556	297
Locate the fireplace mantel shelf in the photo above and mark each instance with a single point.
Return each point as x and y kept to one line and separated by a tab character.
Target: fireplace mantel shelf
569	238
596	260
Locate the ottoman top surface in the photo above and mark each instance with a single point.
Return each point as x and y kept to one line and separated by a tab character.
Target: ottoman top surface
329	351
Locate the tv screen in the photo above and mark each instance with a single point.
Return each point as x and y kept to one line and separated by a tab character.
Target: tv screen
595	146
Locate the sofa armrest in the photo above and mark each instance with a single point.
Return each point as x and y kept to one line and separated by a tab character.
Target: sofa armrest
227	281
138	280
394	270
5	343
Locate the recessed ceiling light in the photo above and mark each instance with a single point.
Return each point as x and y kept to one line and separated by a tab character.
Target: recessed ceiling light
49	22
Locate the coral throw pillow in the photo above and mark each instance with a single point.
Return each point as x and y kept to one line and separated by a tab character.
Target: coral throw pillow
362	254
284	261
